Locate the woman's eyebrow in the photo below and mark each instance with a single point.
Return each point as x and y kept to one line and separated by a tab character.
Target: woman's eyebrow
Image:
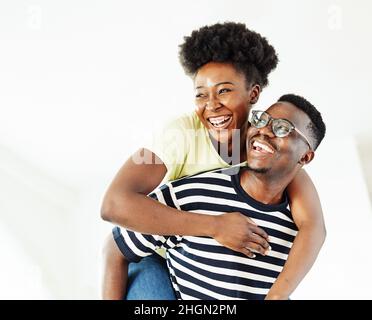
217	84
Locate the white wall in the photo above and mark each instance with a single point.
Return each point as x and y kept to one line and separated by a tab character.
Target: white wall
83	83
345	259
36	214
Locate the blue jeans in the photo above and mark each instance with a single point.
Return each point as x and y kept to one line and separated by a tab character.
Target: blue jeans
149	280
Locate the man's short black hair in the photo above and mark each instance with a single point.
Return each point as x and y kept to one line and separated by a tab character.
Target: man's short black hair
229	42
316	126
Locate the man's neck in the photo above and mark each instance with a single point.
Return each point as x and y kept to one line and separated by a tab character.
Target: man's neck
263	187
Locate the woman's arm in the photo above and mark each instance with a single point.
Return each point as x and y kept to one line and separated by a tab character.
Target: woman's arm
115	271
308	216
126	204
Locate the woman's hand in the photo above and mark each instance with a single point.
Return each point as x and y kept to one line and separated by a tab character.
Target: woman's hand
276	297
239	233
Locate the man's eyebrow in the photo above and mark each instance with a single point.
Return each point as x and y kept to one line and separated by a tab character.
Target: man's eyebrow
217	84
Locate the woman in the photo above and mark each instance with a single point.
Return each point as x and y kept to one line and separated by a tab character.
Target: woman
229	65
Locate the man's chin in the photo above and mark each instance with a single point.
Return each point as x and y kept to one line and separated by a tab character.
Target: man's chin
261	170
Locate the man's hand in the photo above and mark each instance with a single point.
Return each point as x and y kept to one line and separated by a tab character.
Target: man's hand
239	233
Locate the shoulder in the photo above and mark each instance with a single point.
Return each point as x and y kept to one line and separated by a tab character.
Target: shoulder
172	132
180	131
184	122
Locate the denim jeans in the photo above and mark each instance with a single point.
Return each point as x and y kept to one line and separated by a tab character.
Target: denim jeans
149	280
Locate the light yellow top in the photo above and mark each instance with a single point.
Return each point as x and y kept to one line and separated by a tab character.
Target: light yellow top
185	148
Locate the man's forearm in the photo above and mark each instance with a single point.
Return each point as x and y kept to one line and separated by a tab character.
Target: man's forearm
302	256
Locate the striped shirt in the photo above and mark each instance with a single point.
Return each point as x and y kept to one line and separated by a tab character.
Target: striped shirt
201	268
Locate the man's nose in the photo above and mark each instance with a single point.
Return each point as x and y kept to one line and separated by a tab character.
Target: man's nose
267	130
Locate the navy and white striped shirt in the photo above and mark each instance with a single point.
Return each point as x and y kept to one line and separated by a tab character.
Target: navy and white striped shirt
201	268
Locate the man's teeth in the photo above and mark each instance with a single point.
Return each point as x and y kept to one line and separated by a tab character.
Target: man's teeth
261	146
219	121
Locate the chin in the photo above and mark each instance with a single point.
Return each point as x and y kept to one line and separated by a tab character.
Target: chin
258	169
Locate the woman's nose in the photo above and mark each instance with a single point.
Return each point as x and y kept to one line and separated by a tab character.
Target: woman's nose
213	104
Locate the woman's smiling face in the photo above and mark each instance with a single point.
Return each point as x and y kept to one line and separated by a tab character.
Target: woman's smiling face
223	99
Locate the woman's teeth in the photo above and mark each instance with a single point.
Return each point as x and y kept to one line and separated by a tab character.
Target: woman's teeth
219	122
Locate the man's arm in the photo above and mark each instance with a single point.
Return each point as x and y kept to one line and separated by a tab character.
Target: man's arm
126	204
308	216
115	271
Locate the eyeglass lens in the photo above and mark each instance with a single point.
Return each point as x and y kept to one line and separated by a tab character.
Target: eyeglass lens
280	127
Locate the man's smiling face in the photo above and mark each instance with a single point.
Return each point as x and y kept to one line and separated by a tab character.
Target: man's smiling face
268	153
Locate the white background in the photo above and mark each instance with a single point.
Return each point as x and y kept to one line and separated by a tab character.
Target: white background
84	83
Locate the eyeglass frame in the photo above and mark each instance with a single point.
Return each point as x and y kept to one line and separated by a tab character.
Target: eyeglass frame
293	127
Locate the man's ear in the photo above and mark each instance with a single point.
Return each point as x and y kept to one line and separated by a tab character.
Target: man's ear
307	157
255	93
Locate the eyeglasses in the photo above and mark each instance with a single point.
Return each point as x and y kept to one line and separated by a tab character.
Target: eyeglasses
281	127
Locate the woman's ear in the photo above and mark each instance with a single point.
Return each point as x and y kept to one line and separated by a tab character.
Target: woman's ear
255	93
307	157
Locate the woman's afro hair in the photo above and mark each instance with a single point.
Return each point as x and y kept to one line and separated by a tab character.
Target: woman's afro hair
233	43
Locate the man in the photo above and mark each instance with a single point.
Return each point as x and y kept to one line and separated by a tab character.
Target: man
279	143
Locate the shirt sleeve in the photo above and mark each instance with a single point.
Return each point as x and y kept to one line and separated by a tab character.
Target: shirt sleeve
135	245
171	145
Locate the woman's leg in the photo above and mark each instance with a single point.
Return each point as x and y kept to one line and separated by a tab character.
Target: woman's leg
149	280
